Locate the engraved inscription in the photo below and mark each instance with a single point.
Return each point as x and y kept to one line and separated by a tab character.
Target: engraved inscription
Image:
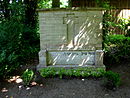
71	58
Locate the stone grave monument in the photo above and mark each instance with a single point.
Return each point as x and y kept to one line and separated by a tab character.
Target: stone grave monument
71	38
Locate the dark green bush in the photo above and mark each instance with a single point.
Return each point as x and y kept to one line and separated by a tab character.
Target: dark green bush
112	80
117	48
18	42
10	42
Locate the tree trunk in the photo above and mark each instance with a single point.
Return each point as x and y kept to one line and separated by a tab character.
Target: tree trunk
55	3
30	12
70	3
5	10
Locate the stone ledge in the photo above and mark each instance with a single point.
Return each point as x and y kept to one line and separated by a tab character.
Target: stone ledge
39	67
71	9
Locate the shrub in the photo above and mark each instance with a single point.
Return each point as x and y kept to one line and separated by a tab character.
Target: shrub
17	41
10	42
112	80
117	47
27	76
112	24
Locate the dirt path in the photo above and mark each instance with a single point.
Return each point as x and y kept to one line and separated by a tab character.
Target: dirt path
69	88
64	88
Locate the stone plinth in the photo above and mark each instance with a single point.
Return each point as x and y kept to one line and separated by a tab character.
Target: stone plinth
70	38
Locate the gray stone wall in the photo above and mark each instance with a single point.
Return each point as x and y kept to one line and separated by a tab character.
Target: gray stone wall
71	37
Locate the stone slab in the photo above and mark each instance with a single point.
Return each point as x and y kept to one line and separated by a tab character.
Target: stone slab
71	58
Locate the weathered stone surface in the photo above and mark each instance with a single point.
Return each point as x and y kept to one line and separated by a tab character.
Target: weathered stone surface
71	58
71	37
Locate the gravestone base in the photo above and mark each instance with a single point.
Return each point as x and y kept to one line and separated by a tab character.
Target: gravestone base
71	59
39	67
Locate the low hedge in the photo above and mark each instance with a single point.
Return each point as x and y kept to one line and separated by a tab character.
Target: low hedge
78	72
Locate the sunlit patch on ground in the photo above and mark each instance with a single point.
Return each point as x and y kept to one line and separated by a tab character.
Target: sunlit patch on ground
4	90
33	83
15	79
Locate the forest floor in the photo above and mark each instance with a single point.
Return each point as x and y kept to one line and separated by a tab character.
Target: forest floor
68	87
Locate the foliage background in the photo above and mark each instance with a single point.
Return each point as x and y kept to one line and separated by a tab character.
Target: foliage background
19	39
